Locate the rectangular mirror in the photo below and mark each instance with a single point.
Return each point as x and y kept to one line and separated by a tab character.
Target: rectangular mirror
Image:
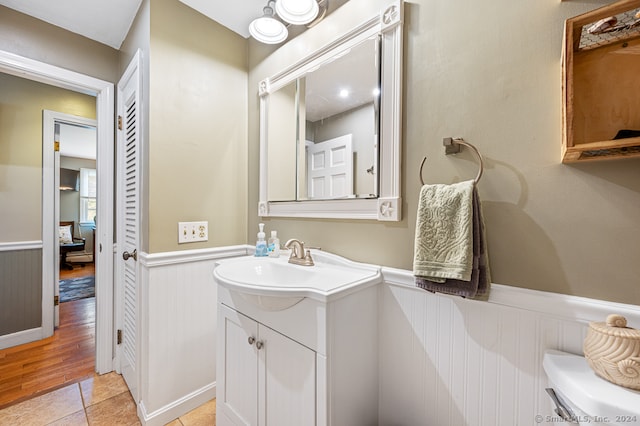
330	128
341	126
323	130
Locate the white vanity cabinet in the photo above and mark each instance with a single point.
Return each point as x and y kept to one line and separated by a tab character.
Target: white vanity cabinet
295	356
262	369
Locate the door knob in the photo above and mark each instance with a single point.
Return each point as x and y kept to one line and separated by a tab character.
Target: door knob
259	344
251	340
126	255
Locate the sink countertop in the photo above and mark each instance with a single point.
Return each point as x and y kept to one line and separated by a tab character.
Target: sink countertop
331	277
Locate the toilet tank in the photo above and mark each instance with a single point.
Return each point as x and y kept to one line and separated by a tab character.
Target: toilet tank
589	395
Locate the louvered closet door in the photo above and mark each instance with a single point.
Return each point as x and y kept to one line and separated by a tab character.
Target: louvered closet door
128	221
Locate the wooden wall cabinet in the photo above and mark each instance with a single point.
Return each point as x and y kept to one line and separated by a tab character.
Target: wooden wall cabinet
601	84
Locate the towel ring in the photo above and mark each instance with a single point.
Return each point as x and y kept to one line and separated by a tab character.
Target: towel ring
452	146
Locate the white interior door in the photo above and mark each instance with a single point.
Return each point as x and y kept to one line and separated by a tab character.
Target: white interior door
128	223
330	168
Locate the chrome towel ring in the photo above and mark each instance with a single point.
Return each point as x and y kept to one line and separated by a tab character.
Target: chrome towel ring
452	146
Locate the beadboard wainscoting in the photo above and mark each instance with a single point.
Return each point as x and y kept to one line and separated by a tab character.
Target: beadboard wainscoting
445	360
20	293
178	331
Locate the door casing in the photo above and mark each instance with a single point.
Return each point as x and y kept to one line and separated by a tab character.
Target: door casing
20	66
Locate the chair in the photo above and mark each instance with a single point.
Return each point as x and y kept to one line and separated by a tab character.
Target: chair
68	243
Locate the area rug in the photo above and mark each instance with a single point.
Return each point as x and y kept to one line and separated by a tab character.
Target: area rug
77	288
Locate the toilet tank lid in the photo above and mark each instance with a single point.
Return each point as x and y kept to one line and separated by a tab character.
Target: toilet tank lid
570	375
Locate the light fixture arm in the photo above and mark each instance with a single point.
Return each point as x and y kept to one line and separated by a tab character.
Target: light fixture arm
323	6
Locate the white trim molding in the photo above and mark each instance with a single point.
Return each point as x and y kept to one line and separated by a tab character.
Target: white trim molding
21	245
21	337
170	411
188	256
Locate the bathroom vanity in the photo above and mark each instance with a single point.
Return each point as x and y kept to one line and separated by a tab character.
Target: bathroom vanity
297	345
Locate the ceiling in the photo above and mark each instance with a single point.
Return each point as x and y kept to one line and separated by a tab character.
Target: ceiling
78	141
355	71
108	21
235	15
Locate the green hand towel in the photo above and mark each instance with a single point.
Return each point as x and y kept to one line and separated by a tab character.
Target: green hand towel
444	232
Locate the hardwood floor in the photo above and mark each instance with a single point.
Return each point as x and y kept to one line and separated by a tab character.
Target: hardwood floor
78	271
66	357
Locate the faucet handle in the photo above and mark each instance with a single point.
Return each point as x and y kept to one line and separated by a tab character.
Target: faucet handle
307	258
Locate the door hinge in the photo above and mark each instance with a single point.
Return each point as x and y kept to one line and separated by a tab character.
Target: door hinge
56	146
119	337
56	300
119	122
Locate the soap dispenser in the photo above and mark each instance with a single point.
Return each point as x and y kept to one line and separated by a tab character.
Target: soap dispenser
261	244
274	245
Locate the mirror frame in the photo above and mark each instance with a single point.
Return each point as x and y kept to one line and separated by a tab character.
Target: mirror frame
387	207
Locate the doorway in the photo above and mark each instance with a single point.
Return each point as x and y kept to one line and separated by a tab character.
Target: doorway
75	211
104	93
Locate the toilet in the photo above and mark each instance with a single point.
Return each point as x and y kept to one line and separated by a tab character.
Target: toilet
581	397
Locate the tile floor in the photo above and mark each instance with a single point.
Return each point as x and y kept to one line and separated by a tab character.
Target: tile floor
100	400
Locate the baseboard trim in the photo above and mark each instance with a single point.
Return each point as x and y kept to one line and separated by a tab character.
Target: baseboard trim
21	337
556	305
177	408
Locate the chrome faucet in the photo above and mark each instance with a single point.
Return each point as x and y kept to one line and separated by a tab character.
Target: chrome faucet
298	255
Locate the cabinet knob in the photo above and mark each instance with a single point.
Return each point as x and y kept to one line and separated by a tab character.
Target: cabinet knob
251	340
259	345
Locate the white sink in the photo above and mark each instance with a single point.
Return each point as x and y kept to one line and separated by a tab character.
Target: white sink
274	284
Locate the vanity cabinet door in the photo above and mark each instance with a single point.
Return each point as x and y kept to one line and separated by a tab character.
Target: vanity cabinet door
265	378
288	380
237	368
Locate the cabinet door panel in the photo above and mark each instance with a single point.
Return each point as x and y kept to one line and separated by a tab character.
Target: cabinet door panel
238	368
288	375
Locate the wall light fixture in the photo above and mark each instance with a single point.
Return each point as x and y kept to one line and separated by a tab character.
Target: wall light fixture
270	27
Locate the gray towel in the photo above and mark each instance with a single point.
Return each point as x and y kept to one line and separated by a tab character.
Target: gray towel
477	287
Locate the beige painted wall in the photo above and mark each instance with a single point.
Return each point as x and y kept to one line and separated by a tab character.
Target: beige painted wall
552	227
21	105
281	158
197	142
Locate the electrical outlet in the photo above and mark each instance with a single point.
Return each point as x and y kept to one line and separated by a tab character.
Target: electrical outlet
191	232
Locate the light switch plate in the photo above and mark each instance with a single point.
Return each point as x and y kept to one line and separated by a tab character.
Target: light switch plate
191	232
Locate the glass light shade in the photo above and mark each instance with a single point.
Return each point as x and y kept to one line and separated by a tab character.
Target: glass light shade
297	12
267	29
